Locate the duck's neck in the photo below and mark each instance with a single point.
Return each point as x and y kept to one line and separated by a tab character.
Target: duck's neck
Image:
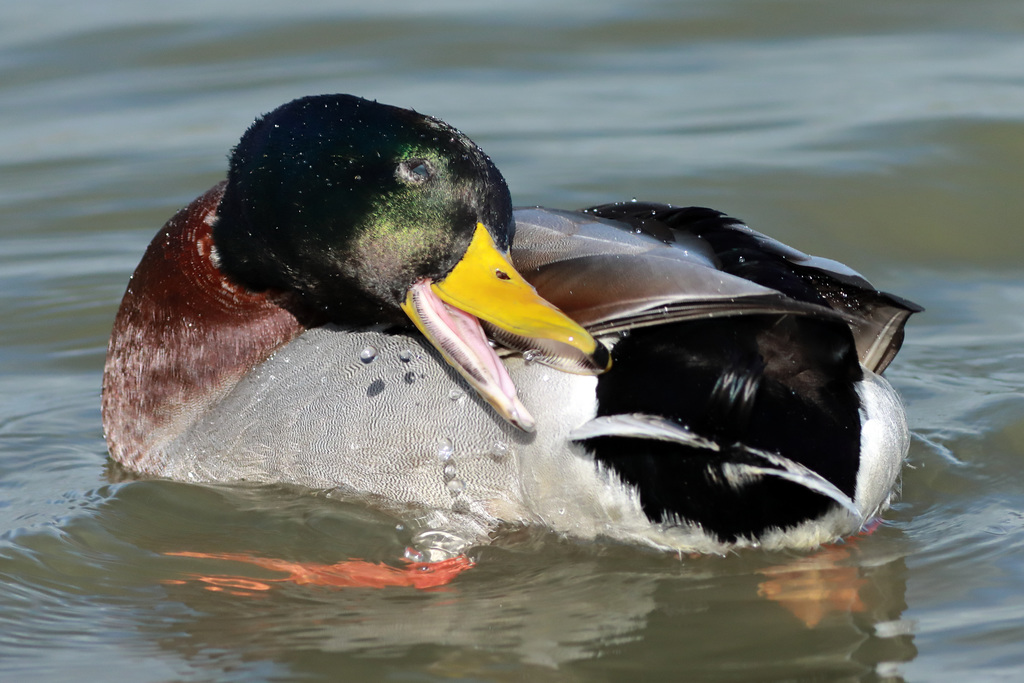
183	337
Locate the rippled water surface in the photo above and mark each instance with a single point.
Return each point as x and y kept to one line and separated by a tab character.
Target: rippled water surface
887	135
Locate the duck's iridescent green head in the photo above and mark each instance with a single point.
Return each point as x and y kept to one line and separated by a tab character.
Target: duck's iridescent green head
333	193
366	212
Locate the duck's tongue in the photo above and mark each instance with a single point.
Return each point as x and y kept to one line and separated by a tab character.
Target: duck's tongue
461	340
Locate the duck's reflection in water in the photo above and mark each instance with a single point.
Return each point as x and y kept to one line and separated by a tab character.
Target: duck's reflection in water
509	607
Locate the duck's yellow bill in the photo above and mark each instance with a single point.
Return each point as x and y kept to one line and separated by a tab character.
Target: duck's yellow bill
485	286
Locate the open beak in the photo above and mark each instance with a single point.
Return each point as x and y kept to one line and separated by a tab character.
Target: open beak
484	286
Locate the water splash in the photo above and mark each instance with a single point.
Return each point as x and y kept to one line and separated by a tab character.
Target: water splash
434	545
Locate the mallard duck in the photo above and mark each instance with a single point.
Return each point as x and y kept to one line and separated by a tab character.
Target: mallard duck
359	309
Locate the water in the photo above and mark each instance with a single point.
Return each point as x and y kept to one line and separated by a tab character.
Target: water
887	135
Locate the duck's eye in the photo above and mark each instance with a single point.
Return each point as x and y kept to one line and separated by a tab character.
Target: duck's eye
415	171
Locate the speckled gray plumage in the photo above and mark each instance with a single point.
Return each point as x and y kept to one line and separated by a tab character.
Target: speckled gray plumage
402	427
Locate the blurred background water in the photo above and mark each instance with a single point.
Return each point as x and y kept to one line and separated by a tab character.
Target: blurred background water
886	135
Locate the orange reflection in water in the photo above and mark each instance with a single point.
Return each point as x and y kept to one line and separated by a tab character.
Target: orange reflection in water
813	587
347	574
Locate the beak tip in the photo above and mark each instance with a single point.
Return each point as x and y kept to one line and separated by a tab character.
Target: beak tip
521	418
